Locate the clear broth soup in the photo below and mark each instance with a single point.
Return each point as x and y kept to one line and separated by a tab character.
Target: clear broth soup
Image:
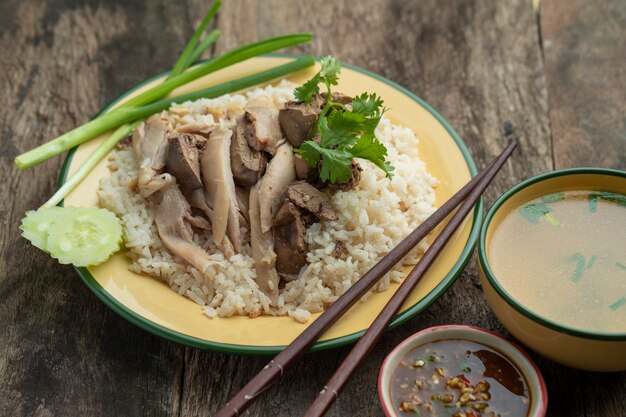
563	256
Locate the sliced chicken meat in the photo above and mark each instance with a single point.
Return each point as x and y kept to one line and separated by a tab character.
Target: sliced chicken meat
150	146
171	218
155	183
280	173
220	187
183	161
262	127
338	98
303	171
198	200
305	204
289	241
197	129
309	198
296	119
262	247
247	164
150	142
243	202
198	222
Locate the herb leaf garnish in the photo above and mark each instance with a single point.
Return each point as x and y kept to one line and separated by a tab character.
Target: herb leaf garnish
593	202
328	75
368	147
618	304
618	199
580	266
367	105
533	212
345	131
335	162
552	198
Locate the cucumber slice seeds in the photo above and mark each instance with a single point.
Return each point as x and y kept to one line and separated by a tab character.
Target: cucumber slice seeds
81	236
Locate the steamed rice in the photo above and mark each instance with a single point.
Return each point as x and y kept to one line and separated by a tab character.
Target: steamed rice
372	219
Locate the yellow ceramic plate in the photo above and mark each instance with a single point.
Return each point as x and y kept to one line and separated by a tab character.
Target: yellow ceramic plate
150	304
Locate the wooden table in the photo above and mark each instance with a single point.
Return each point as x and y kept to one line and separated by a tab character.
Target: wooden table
553	74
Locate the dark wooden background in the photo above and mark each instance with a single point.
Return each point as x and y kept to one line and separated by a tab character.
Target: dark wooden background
555	74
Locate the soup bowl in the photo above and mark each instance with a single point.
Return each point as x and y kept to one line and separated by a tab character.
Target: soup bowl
588	349
538	396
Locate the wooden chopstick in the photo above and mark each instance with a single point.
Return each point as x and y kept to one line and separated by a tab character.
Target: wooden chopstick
366	343
276	367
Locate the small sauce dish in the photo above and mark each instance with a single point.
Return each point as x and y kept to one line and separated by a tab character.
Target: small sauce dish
460	371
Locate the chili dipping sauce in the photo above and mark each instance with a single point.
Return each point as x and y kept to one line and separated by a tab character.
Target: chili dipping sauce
458	378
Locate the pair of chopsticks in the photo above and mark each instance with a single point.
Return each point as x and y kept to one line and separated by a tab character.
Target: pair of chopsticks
465	198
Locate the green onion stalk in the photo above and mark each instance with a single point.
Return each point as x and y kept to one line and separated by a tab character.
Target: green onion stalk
186	57
91	162
119	134
227	59
146	103
126	117
208	41
189	55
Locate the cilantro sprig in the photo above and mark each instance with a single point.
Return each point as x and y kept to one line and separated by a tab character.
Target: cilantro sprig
328	75
345	132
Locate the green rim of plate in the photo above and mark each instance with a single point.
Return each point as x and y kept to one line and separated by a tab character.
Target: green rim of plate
482	252
184	339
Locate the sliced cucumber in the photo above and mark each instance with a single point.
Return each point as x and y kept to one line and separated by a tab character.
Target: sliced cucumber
36	223
88	237
81	236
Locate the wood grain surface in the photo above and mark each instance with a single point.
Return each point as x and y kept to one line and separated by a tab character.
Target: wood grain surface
554	77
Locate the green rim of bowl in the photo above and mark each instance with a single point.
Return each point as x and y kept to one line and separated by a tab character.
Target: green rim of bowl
482	252
184	339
